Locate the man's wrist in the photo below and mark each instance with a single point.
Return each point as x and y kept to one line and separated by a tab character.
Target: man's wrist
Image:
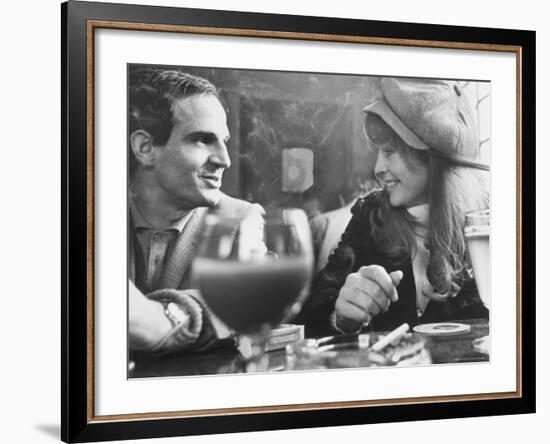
184	318
178	318
174	313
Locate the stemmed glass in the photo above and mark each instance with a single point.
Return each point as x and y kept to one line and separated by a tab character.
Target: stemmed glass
477	232
254	273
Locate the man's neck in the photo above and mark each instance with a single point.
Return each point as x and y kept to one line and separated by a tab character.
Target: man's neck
153	206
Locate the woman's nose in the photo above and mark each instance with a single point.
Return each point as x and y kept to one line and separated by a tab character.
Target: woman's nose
380	165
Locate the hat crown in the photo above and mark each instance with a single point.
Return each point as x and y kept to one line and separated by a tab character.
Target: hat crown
436	111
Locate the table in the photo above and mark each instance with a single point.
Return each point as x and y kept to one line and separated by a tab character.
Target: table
443	350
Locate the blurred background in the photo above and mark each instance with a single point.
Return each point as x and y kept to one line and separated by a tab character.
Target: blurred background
297	138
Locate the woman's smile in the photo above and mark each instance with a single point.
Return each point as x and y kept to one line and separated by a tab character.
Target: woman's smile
403	176
389	184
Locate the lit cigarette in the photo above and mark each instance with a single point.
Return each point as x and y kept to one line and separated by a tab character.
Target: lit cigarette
390	337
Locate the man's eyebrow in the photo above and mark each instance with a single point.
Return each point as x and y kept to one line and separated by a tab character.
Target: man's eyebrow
200	133
197	134
206	134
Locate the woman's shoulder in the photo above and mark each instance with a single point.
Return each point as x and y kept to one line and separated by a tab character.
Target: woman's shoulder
365	205
365	213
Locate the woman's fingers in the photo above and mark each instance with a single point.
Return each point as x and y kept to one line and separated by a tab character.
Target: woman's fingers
349	315
364	293
396	277
371	290
387	282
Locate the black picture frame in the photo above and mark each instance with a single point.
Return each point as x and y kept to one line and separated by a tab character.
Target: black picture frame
79	19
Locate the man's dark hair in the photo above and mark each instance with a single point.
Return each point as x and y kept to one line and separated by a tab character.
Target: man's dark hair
151	95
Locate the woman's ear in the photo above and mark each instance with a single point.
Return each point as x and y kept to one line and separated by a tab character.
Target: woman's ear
142	147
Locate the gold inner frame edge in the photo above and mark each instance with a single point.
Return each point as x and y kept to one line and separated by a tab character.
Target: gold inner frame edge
105	24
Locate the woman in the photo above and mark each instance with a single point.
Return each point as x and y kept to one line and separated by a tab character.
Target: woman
403	255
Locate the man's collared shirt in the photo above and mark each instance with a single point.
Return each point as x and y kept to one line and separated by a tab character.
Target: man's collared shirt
155	245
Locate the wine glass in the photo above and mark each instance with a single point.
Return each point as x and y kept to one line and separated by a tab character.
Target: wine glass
254	273
477	233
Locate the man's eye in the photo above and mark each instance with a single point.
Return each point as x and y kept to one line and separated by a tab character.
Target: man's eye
202	138
388	150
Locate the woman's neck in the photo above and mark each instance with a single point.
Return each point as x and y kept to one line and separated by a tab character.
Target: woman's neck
421	215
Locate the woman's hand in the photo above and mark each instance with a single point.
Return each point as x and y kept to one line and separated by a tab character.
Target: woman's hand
366	294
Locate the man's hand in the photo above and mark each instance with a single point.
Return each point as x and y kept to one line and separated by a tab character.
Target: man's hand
366	294
147	324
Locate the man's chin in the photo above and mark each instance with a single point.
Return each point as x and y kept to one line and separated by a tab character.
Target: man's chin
203	198
211	198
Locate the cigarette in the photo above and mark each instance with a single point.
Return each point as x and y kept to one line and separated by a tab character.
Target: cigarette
390	337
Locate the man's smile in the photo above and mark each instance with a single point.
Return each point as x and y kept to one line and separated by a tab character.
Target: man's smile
212	179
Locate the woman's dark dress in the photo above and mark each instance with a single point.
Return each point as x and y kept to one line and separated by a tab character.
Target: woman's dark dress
356	249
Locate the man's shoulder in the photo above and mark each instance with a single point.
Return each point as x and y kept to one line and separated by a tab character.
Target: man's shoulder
340	214
232	207
339	217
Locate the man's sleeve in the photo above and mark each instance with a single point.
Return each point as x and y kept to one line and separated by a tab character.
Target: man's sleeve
198	328
318	226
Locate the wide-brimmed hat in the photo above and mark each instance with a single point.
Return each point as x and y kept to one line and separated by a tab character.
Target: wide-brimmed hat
430	115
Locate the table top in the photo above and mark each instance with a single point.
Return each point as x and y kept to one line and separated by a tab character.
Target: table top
449	349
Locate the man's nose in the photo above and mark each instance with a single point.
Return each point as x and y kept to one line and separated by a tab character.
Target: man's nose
220	156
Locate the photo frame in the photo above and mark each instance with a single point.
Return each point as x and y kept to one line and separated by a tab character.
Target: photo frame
82	241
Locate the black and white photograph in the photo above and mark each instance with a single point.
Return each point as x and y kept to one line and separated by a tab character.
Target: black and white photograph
280	222
285	221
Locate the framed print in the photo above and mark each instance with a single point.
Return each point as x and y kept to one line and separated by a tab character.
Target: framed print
278	221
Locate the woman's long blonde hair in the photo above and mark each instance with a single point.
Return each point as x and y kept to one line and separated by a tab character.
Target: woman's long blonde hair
453	190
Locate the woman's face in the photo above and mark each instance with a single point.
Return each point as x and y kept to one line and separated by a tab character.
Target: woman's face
400	169
403	175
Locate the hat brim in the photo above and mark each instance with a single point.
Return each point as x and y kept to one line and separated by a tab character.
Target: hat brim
382	109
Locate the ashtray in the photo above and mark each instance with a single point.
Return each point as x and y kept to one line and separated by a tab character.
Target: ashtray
354	350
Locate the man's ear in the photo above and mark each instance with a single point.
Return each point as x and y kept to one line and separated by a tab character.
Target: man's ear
142	146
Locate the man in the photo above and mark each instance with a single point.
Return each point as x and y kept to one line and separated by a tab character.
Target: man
178	154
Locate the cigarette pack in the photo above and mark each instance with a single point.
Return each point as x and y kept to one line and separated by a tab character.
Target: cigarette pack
284	334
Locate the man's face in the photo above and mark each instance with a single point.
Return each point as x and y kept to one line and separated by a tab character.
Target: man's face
188	169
